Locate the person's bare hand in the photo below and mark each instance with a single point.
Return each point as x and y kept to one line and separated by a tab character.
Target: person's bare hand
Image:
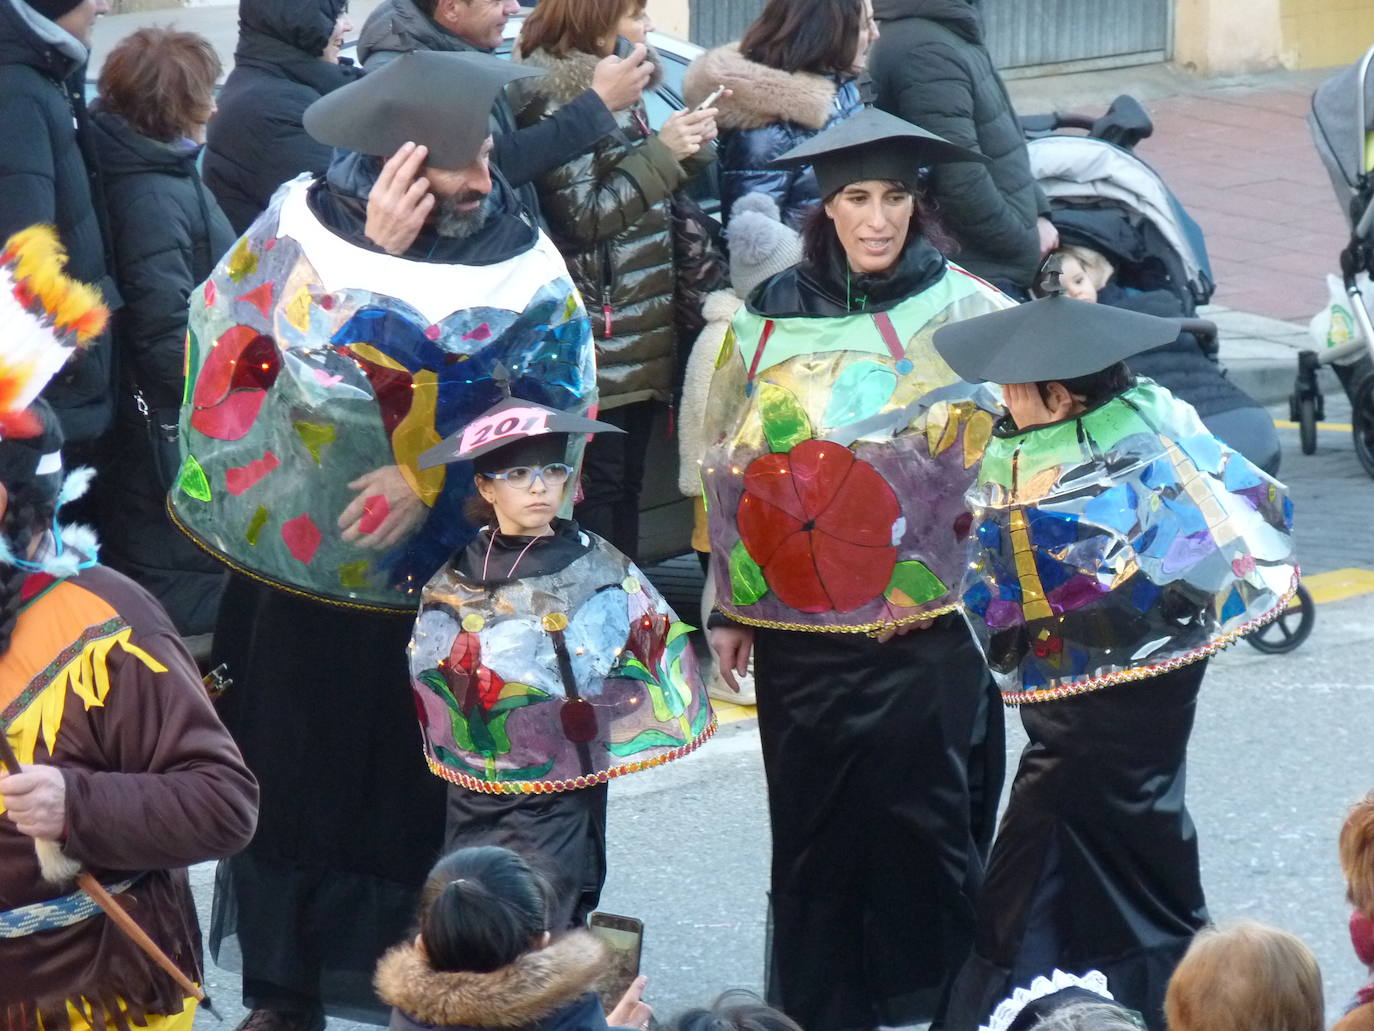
620	81
902	630
632	1011
732	645
399	201
404	510
685	132
1049	235
36	800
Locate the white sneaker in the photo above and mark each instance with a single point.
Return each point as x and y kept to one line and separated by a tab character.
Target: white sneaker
717	688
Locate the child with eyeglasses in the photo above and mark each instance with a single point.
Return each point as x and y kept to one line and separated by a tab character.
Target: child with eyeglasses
543	662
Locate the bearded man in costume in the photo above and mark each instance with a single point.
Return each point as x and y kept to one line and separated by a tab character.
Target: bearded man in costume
362	318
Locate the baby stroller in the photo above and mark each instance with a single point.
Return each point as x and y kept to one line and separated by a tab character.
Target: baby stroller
1106	198
1342	108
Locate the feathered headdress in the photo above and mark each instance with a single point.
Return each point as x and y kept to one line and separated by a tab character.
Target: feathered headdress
44	317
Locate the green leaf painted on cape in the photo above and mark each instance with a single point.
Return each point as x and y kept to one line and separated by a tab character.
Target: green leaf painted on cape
515	696
315	435
353	574
632	669
651	738
860	390
913	584
747	584
703	714
784	420
677	630
193	481
519	773
192	366
255	525
434	680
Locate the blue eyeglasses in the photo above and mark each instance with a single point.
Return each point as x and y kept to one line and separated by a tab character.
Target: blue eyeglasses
522	477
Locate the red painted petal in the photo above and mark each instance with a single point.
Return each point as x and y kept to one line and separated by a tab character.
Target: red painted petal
819	467
863	510
770	479
238	480
232	418
212	382
302	538
792	575
260	298
852	575
763	527
375	510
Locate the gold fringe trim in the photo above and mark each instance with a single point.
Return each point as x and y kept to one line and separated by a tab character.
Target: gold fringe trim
88	677
872	629
1126	676
548	787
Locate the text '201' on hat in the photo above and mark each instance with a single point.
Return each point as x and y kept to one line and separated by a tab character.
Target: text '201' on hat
505	423
873	145
440	100
1053	338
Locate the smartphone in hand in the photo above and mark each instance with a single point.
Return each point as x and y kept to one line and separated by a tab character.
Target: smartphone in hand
624	935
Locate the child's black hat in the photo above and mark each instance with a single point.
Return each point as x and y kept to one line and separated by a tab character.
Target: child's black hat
1053	338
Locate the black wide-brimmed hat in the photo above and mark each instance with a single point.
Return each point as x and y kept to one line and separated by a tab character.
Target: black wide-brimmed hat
507	422
1053	338
872	145
441	100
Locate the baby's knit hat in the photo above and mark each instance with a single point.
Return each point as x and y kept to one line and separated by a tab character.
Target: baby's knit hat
760	244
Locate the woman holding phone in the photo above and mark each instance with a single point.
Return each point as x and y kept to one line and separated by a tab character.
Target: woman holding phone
608	213
794	73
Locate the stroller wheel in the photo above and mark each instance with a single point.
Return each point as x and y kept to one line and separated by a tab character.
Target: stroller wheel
1362	420
1290	629
1307	424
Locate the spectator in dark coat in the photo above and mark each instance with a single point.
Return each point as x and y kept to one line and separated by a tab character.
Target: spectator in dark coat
156	94
522	154
792	75
287	58
931	67
46	176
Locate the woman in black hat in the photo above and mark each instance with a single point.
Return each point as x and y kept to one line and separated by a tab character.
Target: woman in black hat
839	446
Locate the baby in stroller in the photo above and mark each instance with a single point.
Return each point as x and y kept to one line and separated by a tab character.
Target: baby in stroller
1187	366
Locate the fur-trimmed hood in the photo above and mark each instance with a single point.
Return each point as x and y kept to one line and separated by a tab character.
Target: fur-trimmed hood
568	77
526	992
762	95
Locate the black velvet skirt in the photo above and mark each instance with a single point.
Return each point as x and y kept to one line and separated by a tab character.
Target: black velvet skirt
1095	866
867	748
351	819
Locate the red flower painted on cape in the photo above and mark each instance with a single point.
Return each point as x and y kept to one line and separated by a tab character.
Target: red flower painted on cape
648	632
471	682
818	521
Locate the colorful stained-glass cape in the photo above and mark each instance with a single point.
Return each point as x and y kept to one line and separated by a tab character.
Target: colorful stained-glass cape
554	682
838	453
1118	545
312	362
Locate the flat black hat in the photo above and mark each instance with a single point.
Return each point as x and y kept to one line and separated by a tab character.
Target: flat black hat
442	100
509	420
1053	338
872	145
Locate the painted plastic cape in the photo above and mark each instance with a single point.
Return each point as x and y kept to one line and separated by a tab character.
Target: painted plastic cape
1119	545
311	362
554	682
838	453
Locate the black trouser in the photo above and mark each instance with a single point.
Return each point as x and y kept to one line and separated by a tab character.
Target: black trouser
613	475
562	835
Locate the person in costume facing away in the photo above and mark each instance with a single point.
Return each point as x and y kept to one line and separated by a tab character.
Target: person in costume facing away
125	773
1117	544
486	956
360	320
544	663
838	449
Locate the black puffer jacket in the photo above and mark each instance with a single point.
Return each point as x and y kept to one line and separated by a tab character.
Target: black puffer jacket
168	233
256	141
522	154
608	213
48	175
1180	366
768	113
930	67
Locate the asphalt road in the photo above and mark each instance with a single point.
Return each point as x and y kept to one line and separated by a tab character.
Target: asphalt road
1281	748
